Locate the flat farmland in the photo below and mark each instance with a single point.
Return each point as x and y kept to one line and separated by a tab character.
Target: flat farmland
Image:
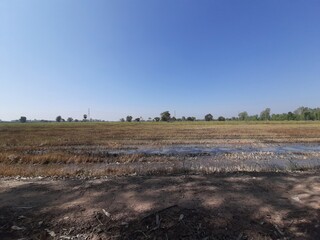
123	134
100	149
181	180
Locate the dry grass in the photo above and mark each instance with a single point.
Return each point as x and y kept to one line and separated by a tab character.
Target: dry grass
116	135
46	149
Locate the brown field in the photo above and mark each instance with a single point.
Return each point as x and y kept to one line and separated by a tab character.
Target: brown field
69	149
58	179
116	135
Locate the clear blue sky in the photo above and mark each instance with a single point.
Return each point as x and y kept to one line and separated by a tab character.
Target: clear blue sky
143	57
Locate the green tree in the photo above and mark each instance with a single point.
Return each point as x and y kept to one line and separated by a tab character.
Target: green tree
221	118
156	119
70	119
165	116
243	116
191	118
208	117
291	116
253	117
58	119
129	118
308	115
265	114
23	119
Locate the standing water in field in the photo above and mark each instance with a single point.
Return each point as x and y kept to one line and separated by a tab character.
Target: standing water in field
200	150
204	159
99	160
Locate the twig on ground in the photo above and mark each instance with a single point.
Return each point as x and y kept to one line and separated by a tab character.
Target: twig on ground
278	230
99	220
140	231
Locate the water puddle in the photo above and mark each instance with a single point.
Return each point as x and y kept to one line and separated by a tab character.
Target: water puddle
200	159
200	150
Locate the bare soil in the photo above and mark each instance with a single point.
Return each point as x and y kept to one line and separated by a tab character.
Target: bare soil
221	206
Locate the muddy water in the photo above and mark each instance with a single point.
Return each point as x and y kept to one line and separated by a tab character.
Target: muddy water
200	150
204	159
211	165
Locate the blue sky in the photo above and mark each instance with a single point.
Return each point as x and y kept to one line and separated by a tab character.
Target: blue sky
143	57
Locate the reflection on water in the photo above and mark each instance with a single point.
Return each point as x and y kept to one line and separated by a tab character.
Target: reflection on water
200	150
198	159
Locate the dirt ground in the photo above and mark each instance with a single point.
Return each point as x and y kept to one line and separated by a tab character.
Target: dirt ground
219	206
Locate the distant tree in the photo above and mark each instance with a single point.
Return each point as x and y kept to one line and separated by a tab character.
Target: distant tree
165	116
253	117
317	114
300	110
70	119
183	118
76	120
265	114
122	120
85	116
63	120
58	119
173	119
279	117
291	116
221	118
308	115
208	117
305	113
129	118
23	119
243	116
157	119
191	118
137	120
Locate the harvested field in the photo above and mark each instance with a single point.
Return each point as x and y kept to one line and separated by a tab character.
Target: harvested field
160	181
100	149
97	161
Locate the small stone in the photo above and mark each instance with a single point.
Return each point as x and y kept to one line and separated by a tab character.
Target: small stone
17	228
296	198
51	233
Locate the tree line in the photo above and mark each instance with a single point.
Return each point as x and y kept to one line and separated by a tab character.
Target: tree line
300	114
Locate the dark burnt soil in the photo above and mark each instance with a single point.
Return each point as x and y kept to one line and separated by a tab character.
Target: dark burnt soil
220	206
